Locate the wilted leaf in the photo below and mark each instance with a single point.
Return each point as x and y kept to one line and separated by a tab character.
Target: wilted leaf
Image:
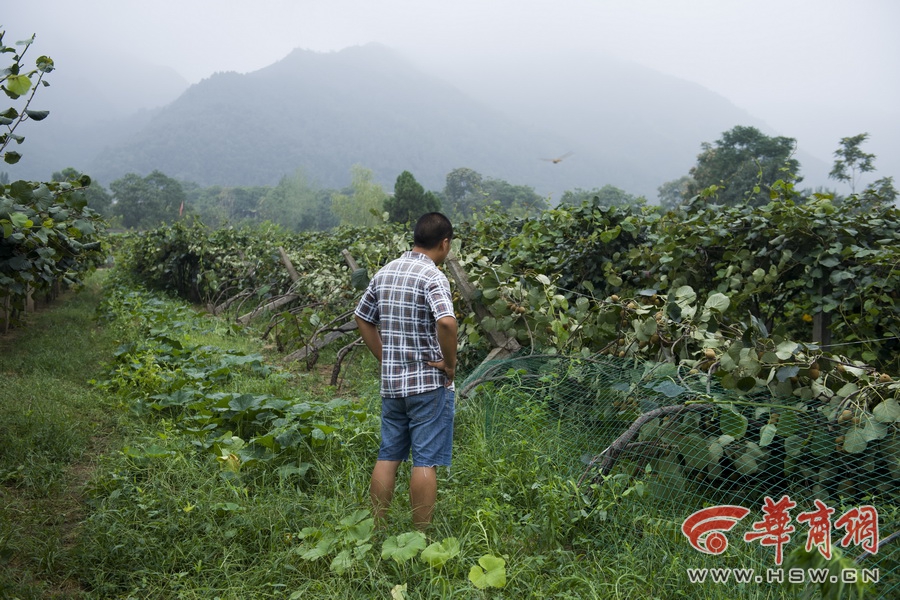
855	441
793	446
767	434
788	424
887	412
733	424
695	451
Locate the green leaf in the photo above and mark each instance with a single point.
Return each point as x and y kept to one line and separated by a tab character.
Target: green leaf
18	85
342	562
438	553
820	442
745	384
718	302
490	573
362	531
686	295
245	402
323	548
21	220
403	547
610	234
359	279
37	115
670	389
786	350
887	411
733	424
785	373
767	434
855	441
44	64
839	276
11	157
788	424
695	451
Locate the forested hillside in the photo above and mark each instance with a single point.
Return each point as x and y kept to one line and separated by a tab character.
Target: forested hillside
624	125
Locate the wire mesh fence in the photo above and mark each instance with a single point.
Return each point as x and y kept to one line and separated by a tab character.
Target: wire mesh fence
752	481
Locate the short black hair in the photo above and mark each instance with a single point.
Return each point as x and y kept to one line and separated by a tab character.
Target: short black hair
431	229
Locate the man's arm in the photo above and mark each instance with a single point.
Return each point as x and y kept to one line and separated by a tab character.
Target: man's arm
371	336
447	334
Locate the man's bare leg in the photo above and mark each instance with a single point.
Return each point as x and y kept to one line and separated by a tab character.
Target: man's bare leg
422	495
381	488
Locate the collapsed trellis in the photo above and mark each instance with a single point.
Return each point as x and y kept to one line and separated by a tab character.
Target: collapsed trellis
345	324
626	421
650	426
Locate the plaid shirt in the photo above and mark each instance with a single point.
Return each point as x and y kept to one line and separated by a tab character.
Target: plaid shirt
406	298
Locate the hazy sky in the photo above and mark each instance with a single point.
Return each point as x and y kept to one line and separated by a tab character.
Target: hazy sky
814	68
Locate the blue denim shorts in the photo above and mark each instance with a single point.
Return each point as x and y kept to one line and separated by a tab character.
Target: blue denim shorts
422	424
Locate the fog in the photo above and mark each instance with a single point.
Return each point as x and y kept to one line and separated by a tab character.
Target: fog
814	70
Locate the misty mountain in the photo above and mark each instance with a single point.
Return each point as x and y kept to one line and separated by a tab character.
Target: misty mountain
324	112
95	99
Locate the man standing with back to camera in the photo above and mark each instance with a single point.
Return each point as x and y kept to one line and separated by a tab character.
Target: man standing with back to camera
406	319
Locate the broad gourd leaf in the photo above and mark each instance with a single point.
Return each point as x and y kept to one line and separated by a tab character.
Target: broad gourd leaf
490	573
403	547
438	553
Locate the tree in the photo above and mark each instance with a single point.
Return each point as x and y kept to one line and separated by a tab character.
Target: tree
673	193
145	202
517	200
364	202
608	195
852	161
467	191
410	200
881	192
463	192
296	205
742	164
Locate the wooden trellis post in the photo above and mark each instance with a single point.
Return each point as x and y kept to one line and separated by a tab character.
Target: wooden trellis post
503	345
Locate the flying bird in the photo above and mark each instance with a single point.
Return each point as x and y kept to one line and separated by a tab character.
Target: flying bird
558	159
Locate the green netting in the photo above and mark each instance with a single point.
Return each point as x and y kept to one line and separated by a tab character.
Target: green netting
681	444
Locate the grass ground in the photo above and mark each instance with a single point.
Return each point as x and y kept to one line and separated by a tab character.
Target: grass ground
53	428
188	470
